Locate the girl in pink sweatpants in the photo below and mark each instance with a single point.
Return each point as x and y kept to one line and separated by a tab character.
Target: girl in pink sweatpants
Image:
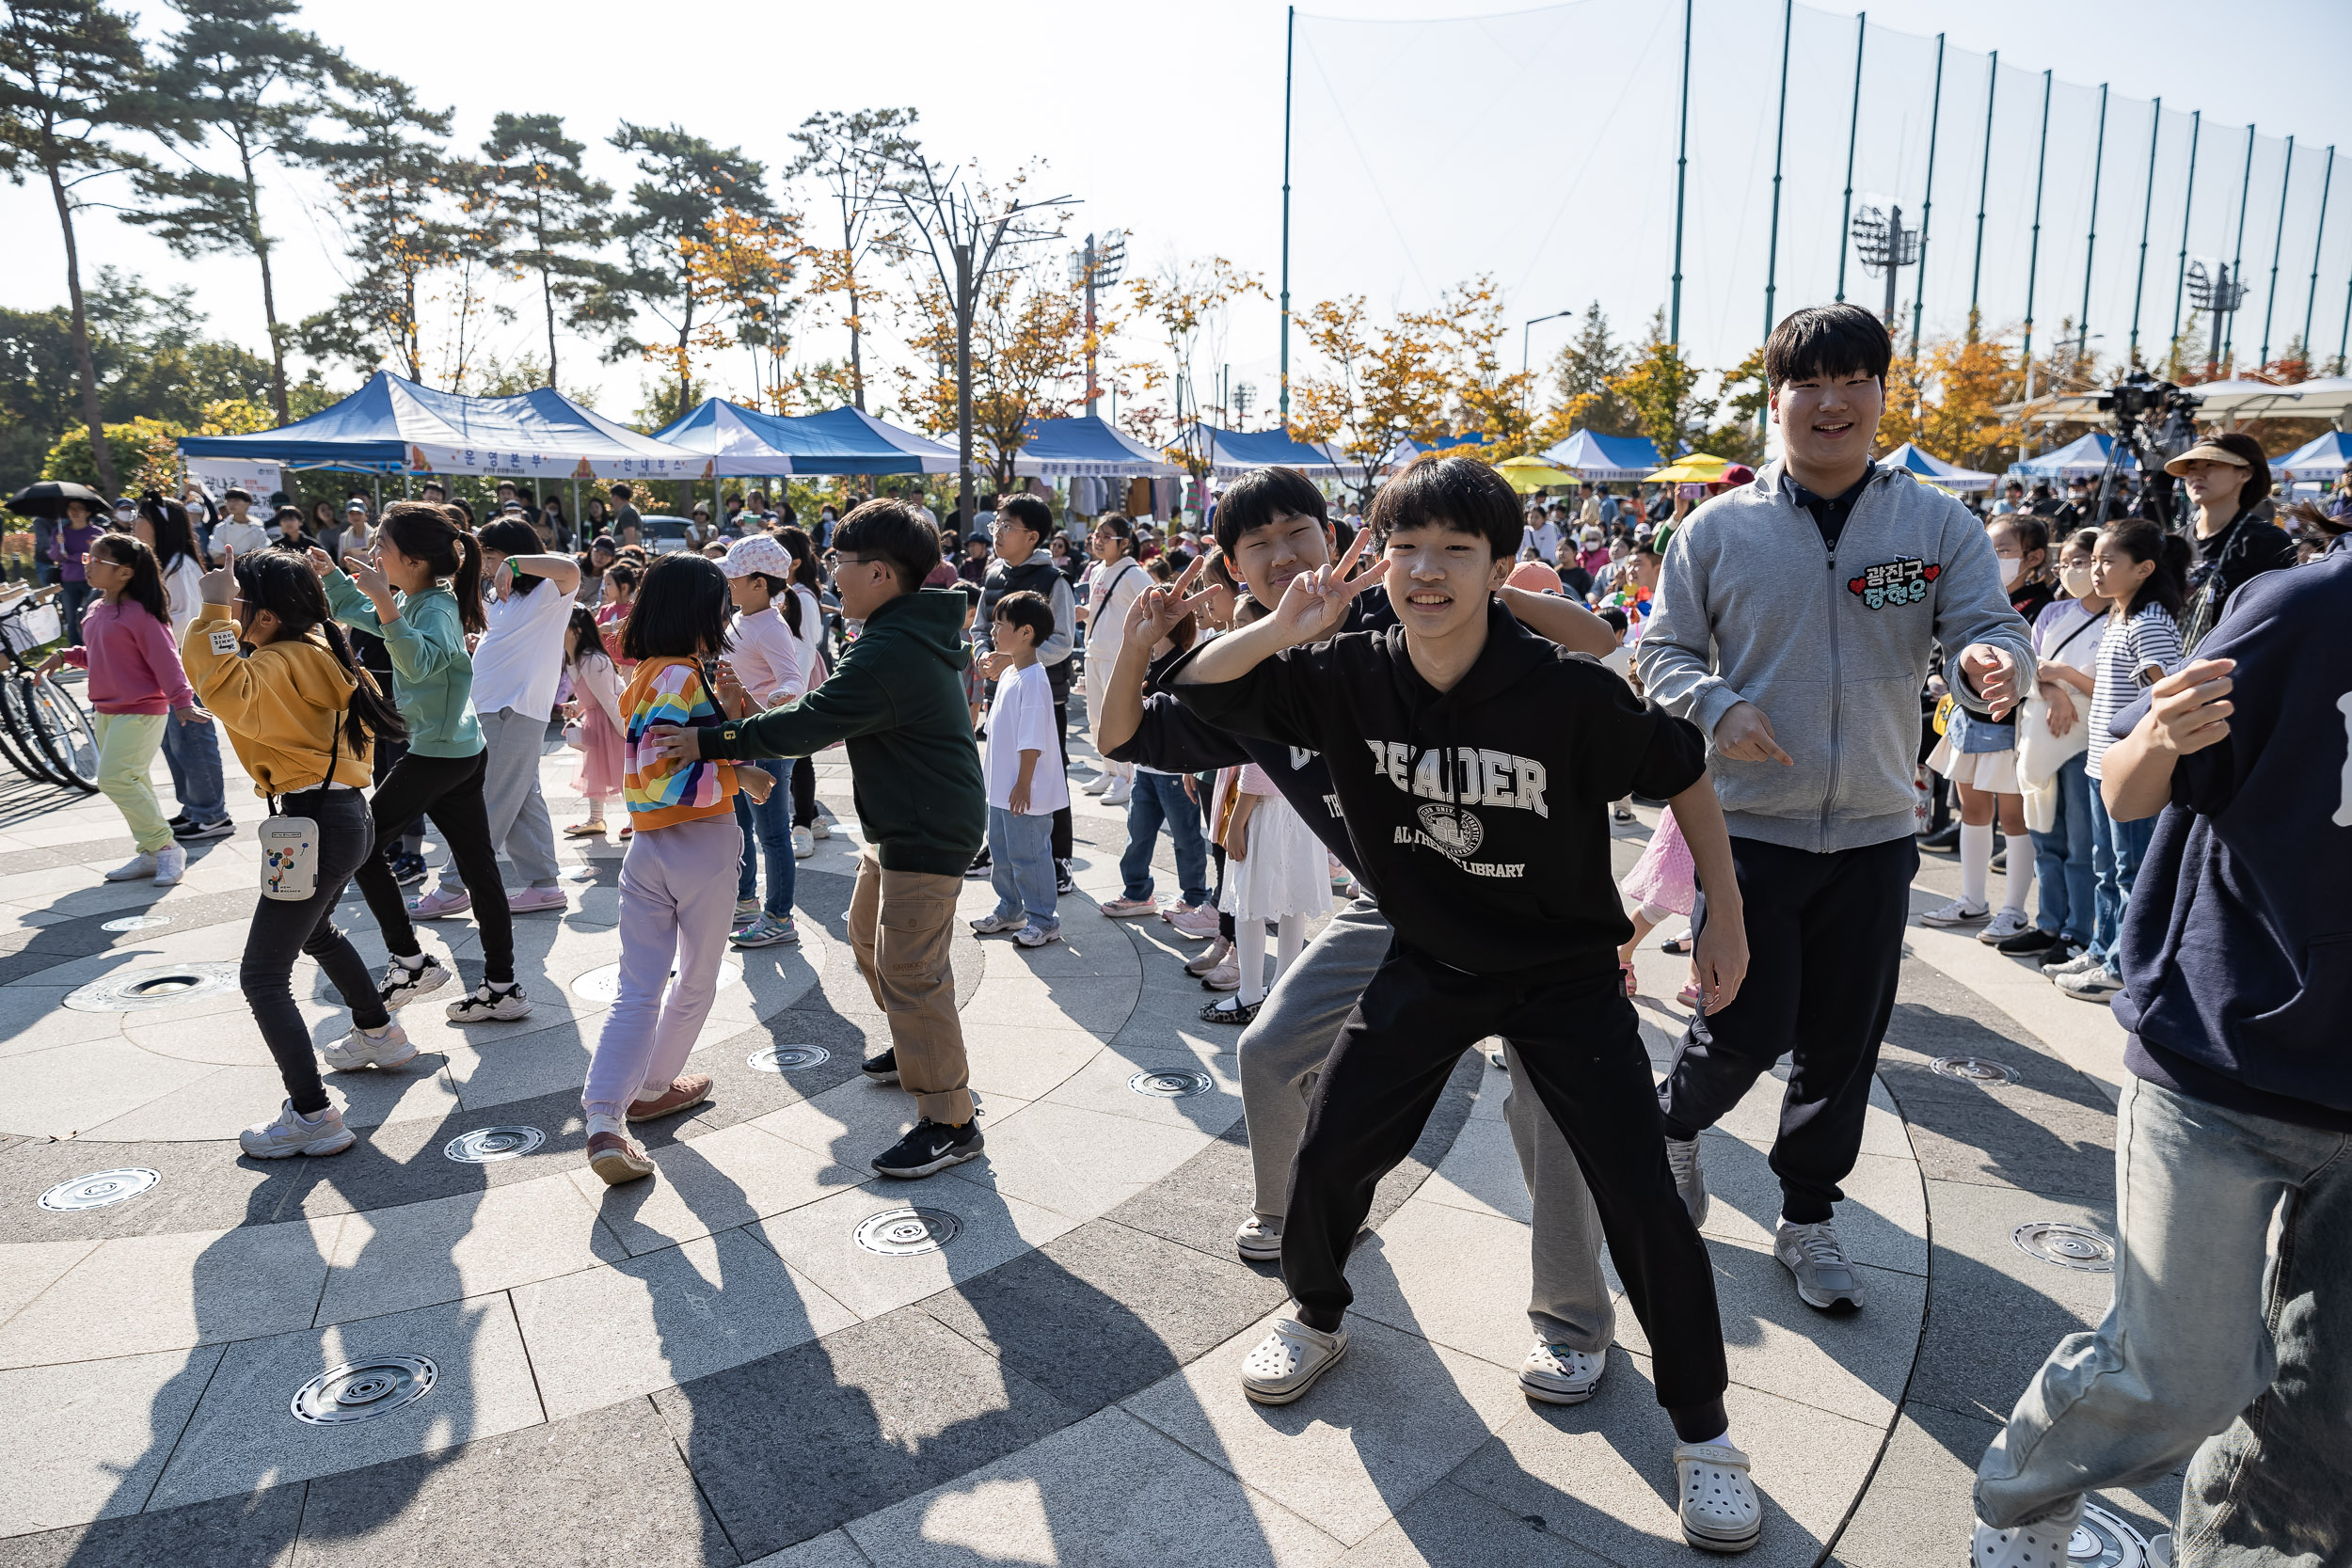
678	881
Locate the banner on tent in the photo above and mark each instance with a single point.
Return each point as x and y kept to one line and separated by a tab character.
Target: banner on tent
217	475
512	464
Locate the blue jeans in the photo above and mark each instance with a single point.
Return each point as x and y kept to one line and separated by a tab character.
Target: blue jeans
192	752
1020	866
2062	859
1160	798
2116	850
768	828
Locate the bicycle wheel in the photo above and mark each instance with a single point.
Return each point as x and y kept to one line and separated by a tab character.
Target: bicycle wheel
16	730
62	726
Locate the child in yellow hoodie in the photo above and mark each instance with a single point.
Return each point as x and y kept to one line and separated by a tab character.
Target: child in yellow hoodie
271	667
678	881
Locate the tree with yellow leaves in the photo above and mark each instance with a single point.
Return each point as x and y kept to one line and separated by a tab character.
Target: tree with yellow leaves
1029	361
1187	301
1948	401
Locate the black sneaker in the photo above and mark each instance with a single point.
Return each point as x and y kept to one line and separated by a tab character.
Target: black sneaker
196	832
2032	940
177	819
1064	883
979	869
930	1146
409	870
884	1068
1946	837
402	985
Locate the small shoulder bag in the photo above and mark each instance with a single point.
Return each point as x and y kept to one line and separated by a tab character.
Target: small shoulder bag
290	845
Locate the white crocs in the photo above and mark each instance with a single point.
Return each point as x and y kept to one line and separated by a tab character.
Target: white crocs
1287	1361
2036	1544
1720	1510
1555	1374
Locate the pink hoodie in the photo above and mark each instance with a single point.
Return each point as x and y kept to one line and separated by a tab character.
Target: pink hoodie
132	666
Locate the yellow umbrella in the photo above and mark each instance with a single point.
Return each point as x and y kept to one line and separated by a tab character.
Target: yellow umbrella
1526	473
1697	468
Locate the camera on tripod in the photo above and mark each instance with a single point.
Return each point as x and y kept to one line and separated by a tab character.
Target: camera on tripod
2154	422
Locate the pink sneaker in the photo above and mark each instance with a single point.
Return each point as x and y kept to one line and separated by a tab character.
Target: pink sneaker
440	903
1197	922
527	900
1128	909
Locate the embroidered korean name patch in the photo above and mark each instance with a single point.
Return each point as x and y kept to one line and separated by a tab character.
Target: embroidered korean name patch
1902	580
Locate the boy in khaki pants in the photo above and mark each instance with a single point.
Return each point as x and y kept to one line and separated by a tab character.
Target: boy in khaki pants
896	698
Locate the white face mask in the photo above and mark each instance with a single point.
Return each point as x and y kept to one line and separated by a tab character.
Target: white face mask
2077	581
2011	566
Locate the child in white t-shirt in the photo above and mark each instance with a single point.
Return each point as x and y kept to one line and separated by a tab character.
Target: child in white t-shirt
1025	783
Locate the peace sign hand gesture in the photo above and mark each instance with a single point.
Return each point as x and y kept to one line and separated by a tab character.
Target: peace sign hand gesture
1315	602
1156	611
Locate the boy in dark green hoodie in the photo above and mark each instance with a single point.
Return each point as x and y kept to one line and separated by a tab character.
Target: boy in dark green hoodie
896	698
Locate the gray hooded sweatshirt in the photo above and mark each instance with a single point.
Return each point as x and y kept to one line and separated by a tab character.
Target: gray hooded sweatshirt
1834	647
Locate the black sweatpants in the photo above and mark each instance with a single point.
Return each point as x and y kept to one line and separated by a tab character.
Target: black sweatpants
448	790
1582	1049
1065	844
282	927
1826	947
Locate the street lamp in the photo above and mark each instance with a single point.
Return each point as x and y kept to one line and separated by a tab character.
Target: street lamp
1526	413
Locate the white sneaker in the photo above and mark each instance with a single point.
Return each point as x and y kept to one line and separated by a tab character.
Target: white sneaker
171	864
1259	1241
1098	784
2037	1544
1121	791
132	869
1958	912
290	1135
1555	1374
489	1004
2080	963
2007	923
804	844
1720	1511
1287	1362
819	830
361	1049
2096	984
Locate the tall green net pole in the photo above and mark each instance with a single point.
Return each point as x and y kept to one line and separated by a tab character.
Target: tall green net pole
2091	245
2033	246
2147	211
1682	159
1853	127
2278	239
2237	252
1984	176
2311	301
1290	36
1927	205
2188	205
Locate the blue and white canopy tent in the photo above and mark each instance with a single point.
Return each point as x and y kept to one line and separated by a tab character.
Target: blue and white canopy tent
391	426
1082	447
2086	458
1231	454
1927	465
840	441
2316	462
1605	458
1407	449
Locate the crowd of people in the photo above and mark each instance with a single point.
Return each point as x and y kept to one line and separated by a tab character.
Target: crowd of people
1437	710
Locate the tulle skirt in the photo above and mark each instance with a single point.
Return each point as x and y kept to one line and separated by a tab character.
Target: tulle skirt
600	760
1287	870
1663	877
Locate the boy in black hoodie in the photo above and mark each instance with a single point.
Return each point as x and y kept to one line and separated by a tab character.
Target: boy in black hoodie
1484	761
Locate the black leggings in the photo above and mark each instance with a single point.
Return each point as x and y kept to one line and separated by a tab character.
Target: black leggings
448	790
1578	1039
282	929
803	792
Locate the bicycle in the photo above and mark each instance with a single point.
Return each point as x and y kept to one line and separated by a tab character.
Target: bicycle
44	730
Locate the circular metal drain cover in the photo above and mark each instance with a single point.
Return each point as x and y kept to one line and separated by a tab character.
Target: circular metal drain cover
362	1390
2105	1541
1172	1082
487	1144
136	923
2069	1246
908	1232
134	990
99	1190
603	986
1972	1070
788	1058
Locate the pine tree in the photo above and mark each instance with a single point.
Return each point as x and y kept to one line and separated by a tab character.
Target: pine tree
1580	375
554	215
688	184
255	85
73	77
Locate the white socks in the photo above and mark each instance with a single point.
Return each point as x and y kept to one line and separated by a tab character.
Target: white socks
411	961
1976	862
2019	876
599	1122
1249	953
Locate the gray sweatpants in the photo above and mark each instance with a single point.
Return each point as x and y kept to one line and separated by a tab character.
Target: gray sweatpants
1284	1049
520	823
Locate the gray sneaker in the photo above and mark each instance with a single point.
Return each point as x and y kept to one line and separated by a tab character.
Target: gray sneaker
2075	965
291	1134
1682	1158
360	1049
1817	1258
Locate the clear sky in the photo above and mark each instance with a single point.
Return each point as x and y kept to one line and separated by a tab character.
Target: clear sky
1539	145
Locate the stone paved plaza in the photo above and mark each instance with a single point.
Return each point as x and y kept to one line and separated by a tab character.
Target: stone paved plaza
710	1368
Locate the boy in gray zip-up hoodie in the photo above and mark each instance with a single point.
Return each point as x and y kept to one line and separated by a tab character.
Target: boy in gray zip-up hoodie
1794	623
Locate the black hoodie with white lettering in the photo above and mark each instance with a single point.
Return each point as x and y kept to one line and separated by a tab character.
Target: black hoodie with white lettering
1499	863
